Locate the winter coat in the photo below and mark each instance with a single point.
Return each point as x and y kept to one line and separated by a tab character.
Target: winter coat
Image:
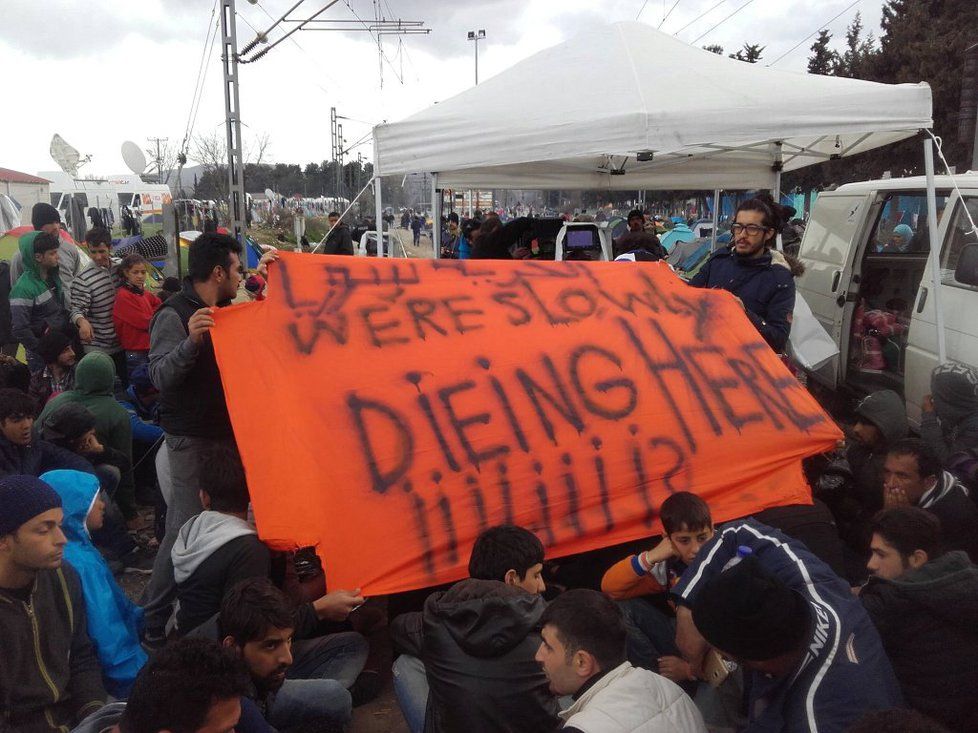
764	284
93	294
94	379
212	552
631	700
953	425
6	329
339	241
845	673
69	264
131	315
36	306
114	622
36	458
948	500
928	620
477	641
49	674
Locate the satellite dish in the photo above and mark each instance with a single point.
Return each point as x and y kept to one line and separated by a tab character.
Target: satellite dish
133	157
269	194
67	157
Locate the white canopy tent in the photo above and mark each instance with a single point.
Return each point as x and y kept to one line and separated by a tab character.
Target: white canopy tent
576	115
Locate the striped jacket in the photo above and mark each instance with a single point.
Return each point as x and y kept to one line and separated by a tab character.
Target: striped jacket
93	293
844	673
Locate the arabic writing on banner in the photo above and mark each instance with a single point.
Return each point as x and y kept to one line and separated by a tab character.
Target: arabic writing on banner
387	411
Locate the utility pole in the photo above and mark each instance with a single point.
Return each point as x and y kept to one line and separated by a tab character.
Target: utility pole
158	158
232	109
477	36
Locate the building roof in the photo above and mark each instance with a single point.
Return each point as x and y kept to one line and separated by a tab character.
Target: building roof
17	177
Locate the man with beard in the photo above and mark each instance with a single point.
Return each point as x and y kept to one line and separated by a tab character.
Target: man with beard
258	623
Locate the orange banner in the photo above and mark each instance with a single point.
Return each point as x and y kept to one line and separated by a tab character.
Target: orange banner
387	411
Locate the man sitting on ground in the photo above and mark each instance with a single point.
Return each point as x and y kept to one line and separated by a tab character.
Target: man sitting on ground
925	606
191	686
257	622
582	653
474	645
635	582
58	374
49	674
811	657
20	452
912	476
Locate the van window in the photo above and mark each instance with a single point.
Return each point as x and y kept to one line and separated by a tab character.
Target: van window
82	199
125	199
55	199
902	224
958	235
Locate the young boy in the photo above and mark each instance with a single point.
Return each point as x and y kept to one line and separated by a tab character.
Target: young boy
634	581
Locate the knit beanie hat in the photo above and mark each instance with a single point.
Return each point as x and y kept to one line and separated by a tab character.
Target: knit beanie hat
50	346
751	615
68	423
43	214
21	499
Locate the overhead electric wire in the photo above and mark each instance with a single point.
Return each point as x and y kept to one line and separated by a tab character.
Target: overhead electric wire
641	10
329	77
817	30
376	39
298	27
698	17
201	74
666	16
697	39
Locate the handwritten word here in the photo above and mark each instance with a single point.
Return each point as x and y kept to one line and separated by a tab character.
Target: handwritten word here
389	411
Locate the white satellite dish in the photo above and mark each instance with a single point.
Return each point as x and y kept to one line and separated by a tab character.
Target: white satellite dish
67	157
133	157
269	194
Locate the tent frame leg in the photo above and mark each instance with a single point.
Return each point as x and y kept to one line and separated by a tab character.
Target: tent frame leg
934	254
436	206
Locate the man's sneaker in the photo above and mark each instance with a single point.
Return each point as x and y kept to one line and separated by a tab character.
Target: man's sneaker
139	561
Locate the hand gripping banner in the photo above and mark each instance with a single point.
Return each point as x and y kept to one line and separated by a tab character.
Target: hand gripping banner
387	411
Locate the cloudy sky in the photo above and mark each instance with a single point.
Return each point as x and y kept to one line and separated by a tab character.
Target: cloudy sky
103	71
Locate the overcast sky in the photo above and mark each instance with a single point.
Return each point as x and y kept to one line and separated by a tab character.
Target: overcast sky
103	71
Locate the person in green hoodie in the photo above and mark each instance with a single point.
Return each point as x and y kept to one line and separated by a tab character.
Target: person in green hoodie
38	303
94	378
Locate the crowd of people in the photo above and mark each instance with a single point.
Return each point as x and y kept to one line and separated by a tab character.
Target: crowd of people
855	613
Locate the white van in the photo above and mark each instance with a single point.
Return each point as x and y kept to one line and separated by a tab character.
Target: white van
868	281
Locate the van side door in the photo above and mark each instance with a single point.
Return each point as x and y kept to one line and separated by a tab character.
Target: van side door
959	302
828	250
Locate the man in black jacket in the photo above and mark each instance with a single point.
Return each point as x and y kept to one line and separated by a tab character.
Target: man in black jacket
338	241
49	674
193	411
476	643
20	451
925	606
912	476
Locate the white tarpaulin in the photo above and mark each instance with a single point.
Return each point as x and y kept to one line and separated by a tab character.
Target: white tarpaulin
571	116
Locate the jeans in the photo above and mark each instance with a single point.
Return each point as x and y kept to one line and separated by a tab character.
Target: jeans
651	633
316	684
411	689
183	502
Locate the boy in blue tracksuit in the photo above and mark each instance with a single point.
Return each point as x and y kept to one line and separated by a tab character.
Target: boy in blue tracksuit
813	662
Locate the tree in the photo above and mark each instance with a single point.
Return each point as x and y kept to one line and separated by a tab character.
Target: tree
823	59
714	48
751	53
854	61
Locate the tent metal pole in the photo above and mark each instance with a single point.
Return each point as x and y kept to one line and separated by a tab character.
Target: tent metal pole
935	256
435	218
716	219
379	214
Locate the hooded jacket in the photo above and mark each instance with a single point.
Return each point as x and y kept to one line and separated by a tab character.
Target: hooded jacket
953	425
480	638
948	500
862	497
49	674
36	305
764	284
114	622
212	552
131	315
928	621
94	379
